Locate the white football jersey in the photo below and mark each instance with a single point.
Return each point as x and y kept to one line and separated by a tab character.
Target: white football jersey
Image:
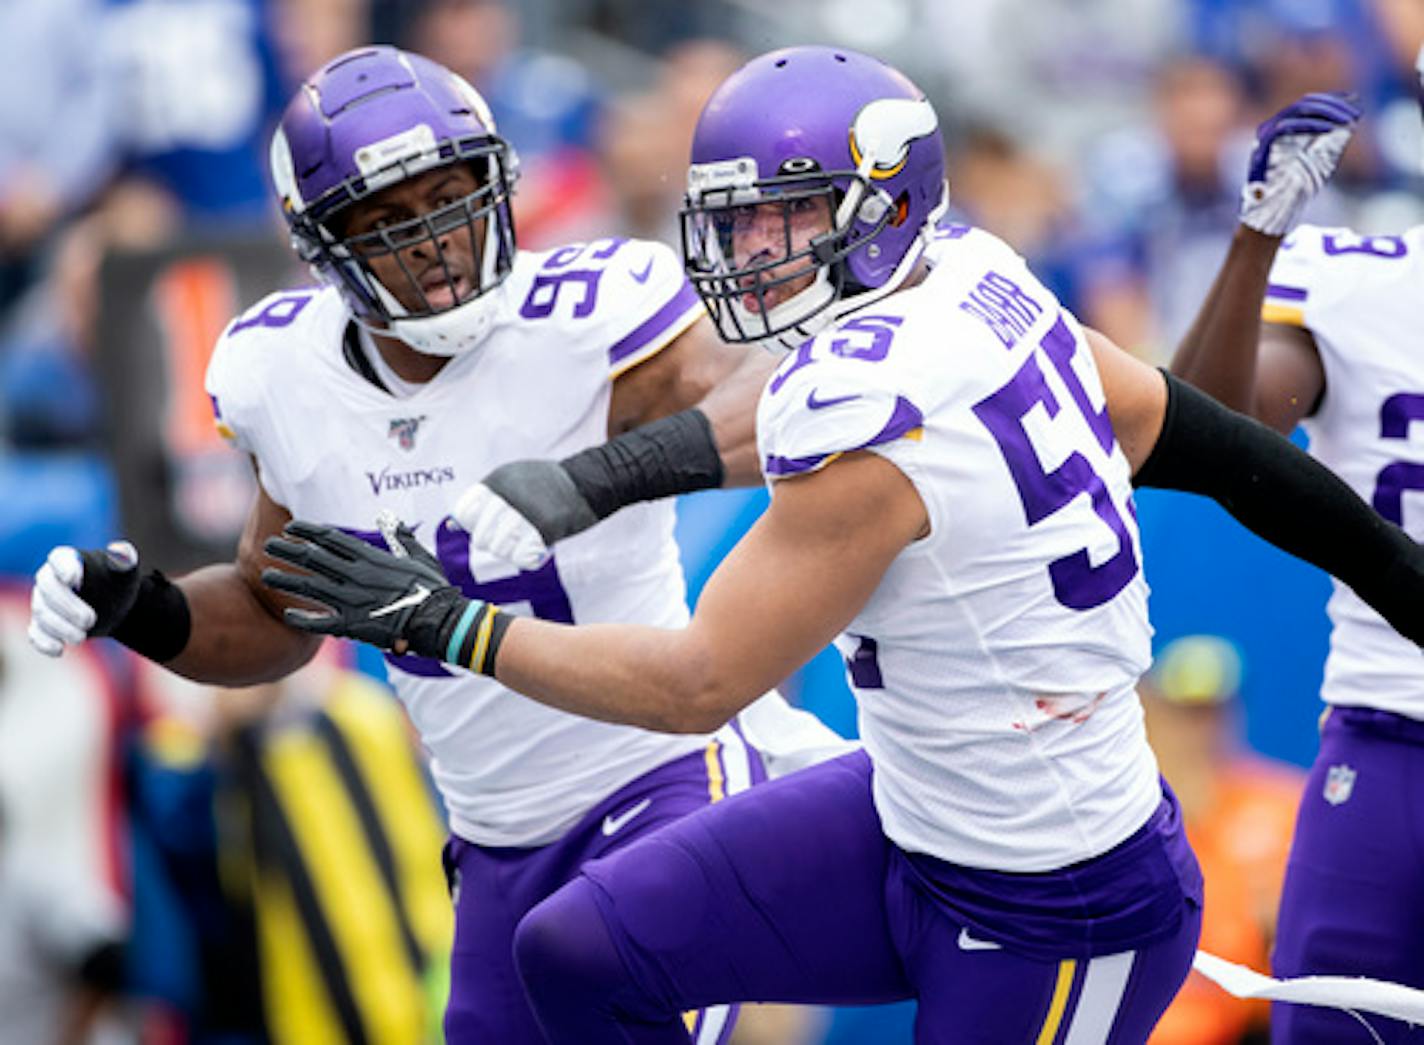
332	447
1362	299
994	666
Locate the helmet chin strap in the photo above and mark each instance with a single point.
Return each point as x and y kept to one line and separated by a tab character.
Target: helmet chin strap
808	300
453	333
815	295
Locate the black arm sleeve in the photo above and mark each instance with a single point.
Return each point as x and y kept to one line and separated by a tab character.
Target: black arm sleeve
1282	494
673	455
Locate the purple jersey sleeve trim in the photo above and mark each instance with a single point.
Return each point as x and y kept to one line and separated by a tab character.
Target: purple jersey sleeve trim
1285	293
684	301
905	418
778	467
220	423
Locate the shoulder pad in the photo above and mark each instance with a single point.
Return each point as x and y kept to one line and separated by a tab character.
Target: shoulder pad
812	413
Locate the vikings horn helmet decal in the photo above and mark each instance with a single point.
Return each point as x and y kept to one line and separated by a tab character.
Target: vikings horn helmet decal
848	138
882	133
370	119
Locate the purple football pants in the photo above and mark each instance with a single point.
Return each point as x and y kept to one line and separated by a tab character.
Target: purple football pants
495	887
791	893
1353	903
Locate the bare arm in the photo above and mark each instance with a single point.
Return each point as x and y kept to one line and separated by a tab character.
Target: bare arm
1218	352
1136	396
237	635
791	585
699	369
1269	371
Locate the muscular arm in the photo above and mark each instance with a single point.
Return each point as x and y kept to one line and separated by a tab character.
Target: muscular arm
1218	352
1269	371
788	588
700	370
1136	396
237	636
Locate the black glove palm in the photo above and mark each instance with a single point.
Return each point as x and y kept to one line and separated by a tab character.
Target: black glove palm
402	603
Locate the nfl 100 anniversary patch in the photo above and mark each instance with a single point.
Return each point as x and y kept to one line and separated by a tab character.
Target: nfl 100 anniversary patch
403	430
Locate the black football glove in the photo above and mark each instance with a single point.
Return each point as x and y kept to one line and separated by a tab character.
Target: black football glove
397	602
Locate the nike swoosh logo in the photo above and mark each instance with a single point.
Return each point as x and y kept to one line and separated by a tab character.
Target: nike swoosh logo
415	598
642	277
812	403
613	824
969	943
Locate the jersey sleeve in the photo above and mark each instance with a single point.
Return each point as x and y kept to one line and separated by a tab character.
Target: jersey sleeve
1316	266
235	381
651	303
811	415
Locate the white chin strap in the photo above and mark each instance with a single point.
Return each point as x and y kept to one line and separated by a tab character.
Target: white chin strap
815	296
807	300
450	333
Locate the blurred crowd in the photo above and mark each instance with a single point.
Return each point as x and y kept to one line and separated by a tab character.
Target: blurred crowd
1105	139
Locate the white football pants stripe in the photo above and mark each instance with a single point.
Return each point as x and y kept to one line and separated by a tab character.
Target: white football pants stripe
1104	984
710	1025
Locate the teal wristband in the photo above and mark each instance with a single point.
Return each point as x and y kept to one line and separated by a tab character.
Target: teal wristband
462	628
476	636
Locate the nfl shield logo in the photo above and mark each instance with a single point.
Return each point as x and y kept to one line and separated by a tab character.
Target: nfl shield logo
403	430
1339	782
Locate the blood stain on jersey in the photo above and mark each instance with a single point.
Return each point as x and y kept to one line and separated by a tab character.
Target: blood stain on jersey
1058	708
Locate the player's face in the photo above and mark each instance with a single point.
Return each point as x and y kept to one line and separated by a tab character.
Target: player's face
763	232
419	241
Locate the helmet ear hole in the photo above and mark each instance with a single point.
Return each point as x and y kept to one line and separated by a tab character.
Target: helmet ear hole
902	209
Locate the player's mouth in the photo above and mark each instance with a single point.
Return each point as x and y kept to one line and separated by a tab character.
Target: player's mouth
767	300
751	300
442	293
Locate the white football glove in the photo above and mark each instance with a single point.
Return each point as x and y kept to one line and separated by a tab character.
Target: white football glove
497	529
58	616
1296	151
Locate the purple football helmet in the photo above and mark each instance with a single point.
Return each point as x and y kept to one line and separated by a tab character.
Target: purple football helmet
367	120
809	130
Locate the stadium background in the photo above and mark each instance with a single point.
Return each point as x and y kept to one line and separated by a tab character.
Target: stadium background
1105	139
